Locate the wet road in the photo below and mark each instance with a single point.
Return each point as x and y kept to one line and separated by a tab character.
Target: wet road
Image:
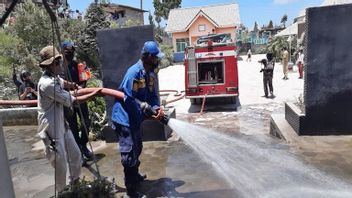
173	169
258	165
176	169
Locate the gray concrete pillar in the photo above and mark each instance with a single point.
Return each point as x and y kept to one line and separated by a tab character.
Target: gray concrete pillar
6	186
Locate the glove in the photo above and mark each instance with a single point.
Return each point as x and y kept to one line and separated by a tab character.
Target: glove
160	114
147	109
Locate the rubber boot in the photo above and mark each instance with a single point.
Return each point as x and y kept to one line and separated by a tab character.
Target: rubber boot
140	177
132	191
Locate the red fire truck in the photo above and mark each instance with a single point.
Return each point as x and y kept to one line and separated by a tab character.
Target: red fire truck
211	69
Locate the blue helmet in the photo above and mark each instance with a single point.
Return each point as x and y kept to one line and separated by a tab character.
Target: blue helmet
151	47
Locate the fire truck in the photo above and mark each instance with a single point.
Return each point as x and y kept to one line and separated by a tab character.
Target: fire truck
211	69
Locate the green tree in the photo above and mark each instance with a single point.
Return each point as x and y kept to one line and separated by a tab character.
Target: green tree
33	30
169	55
7	52
255	29
95	20
21	42
32	25
276	45
158	20
284	20
271	24
151	21
72	29
162	8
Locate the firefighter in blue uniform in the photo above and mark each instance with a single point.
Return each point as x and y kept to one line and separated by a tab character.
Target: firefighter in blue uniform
140	95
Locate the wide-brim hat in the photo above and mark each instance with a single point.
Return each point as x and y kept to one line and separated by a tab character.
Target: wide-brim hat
48	54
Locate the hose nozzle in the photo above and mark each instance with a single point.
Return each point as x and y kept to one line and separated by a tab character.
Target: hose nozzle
149	111
165	119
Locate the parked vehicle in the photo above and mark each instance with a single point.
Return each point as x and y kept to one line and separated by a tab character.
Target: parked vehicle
211	69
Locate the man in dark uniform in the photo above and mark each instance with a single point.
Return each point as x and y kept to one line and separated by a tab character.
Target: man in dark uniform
268	72
127	116
81	139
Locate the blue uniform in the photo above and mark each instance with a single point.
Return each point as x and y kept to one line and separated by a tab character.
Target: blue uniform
127	116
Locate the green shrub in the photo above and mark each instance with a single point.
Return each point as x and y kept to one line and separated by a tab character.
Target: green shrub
99	188
169	55
261	51
97	111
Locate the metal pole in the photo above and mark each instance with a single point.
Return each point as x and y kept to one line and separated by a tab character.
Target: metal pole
141	4
6	186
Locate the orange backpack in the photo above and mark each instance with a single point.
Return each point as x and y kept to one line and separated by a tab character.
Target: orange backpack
84	73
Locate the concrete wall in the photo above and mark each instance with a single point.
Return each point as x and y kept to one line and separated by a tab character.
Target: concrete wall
328	71
133	15
119	49
19	116
6	185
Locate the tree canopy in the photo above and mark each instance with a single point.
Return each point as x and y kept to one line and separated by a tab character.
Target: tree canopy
95	20
271	24
284	20
255	29
276	45
162	8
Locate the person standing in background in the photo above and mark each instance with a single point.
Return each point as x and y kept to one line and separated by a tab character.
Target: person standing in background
300	63
81	138
249	56
268	73
285	57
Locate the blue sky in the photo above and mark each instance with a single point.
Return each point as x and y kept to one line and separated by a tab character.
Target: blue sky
250	10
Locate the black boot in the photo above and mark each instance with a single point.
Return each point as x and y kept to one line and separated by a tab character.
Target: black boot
87	154
132	191
140	177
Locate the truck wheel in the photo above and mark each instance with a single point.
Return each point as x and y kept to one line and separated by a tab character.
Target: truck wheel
193	101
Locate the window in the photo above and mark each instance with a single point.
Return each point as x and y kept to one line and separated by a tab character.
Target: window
211	72
181	44
116	15
201	28
123	13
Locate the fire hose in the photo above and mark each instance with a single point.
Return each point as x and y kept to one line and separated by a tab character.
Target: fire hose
105	91
179	95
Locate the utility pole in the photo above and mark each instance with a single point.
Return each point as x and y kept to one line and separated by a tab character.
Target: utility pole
141	4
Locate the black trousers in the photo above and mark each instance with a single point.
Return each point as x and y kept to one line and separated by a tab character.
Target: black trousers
268	82
73	122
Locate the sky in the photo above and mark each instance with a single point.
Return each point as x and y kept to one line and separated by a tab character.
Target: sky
260	11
